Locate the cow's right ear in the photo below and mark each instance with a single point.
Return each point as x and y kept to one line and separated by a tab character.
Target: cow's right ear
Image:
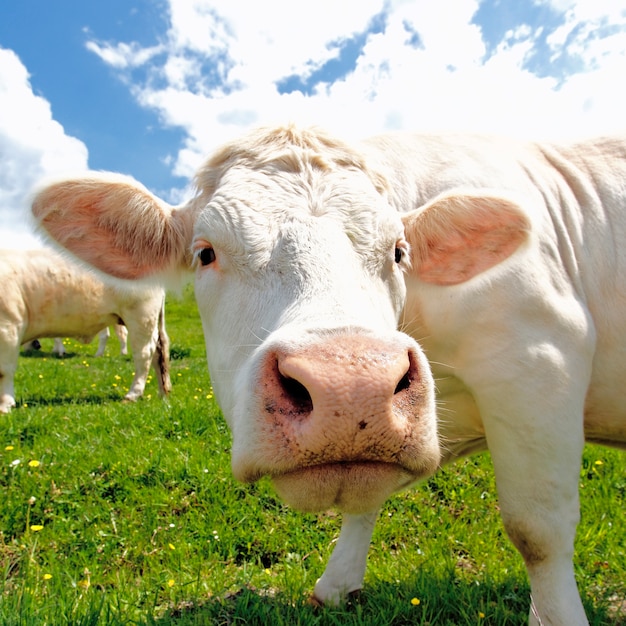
115	225
462	234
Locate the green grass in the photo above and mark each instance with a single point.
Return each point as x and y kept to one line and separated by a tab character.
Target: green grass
118	513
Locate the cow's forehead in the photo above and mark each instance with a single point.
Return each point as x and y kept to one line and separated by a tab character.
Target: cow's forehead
272	190
249	209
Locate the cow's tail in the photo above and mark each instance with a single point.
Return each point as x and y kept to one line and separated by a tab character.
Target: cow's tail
161	359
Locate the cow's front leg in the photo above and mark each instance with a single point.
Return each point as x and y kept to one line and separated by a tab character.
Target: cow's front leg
9	353
7	397
103	337
537	474
346	567
142	341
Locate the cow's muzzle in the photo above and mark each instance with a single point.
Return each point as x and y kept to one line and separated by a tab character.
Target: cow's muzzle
343	421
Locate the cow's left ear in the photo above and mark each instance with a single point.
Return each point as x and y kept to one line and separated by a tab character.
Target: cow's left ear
116	225
459	235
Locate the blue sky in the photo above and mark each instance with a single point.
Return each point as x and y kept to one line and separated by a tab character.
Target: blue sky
150	87
86	97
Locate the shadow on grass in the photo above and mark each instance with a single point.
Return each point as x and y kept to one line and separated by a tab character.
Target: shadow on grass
43	354
442	601
73	400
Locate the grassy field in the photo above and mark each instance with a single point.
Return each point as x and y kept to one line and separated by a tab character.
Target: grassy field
118	513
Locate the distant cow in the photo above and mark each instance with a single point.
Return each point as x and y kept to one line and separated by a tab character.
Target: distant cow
506	260
43	295
103	338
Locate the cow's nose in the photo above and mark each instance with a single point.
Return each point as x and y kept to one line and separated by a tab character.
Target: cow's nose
294	381
338	392
331	376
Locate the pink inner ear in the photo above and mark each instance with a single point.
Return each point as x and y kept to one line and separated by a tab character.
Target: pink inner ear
114	226
83	238
458	238
115	263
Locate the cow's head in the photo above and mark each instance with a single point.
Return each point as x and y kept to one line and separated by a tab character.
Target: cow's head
299	265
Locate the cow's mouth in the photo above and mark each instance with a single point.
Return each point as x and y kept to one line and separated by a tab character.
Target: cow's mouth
351	487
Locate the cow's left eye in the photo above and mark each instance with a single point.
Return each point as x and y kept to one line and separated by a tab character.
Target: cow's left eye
206	256
401	252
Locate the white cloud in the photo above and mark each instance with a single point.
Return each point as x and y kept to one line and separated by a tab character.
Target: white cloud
267	40
593	31
123	56
588	10
32	145
427	69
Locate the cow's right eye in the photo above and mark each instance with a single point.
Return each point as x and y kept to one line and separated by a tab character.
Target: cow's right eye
206	256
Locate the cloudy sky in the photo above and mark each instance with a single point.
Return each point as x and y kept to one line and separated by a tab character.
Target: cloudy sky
150	87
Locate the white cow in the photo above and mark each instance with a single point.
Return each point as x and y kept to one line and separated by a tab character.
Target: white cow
103	338
507	261
43	295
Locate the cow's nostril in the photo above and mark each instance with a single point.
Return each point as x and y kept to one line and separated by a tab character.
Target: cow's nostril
403	383
297	393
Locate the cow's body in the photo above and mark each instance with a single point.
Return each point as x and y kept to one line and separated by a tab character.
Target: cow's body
506	261
46	296
103	338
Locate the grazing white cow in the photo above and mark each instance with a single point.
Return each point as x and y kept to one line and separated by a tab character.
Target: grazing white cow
103	338
507	261
43	295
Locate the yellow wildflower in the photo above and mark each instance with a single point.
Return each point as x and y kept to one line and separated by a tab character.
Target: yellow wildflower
415	601
36	527
34	463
